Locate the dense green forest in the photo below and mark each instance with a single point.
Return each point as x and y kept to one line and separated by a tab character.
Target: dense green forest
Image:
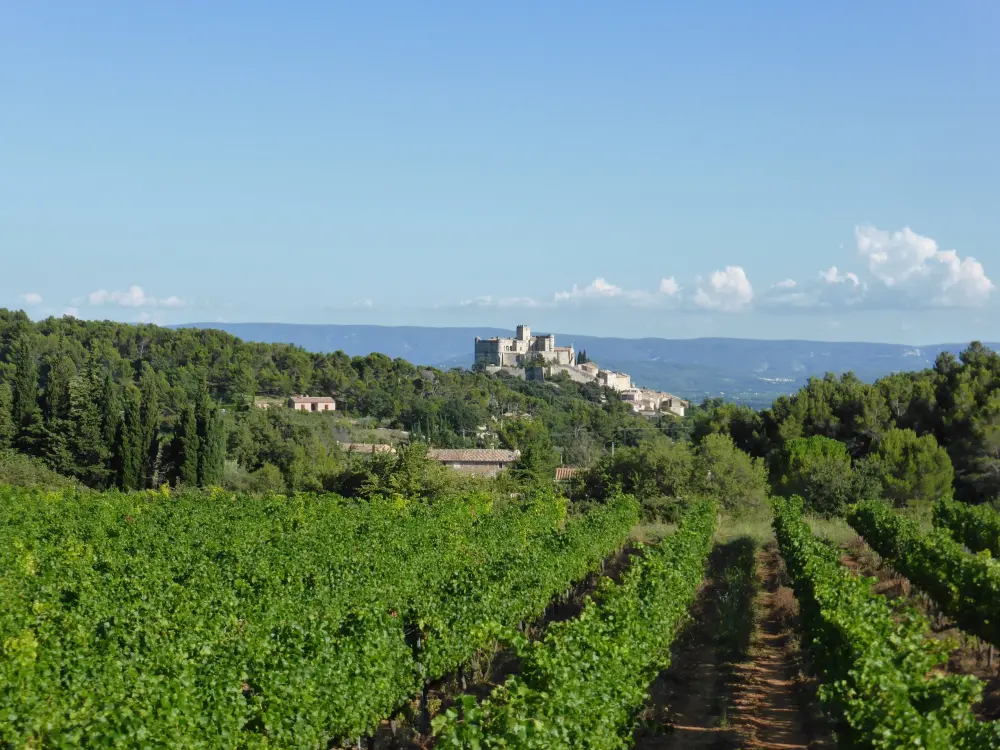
913	436
134	406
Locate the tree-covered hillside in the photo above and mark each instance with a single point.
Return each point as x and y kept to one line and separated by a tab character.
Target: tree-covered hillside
133	406
919	432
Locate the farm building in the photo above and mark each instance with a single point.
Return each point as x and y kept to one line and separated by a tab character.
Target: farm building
312	403
482	461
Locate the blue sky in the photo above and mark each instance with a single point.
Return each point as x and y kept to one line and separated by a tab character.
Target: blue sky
615	169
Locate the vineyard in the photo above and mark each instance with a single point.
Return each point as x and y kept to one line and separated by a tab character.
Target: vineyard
206	619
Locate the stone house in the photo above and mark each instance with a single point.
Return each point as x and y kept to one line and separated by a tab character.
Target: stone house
479	461
616	381
649	402
312	403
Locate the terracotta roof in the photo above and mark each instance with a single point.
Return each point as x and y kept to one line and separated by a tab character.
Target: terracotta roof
472	455
566	472
312	399
367	448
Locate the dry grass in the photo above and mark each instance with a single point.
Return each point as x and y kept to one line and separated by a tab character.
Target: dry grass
835	530
651	532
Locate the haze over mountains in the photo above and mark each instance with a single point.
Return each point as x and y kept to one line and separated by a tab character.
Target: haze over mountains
753	371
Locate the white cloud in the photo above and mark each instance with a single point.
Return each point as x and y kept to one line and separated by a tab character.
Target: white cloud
71	312
598	288
669	287
490	301
900	270
829	288
133	297
833	276
912	270
602	292
31	298
728	290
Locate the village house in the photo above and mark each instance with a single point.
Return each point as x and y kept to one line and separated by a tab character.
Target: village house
650	403
479	461
616	381
520	350
312	403
566	473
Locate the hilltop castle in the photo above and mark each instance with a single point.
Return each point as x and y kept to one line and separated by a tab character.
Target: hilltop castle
520	350
524	350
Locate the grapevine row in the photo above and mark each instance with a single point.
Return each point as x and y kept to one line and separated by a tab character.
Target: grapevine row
582	684
966	587
210	621
876	669
975	526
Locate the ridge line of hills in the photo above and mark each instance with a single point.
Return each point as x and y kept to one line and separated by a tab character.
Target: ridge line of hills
752	371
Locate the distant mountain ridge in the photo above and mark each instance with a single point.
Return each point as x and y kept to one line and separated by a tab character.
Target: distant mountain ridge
753	371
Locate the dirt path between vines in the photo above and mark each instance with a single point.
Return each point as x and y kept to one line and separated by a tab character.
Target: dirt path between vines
772	697
715	697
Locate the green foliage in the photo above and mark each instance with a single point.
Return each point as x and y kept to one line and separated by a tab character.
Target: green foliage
203	620
914	469
149	423
818	469
20	470
7	427
723	471
91	456
175	368
975	526
581	686
657	472
130	442
187	444
876	669
966	587
211	448
24	410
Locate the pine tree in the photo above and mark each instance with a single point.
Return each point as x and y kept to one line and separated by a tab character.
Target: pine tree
55	399
130	442
149	386
25	413
7	431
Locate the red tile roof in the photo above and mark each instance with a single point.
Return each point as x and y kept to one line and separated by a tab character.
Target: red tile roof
473	455
566	472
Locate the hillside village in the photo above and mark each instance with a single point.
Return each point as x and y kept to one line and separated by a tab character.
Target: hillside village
533	357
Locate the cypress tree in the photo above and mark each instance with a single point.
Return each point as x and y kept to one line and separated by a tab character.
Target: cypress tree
150	422
7	431
89	451
24	409
130	442
111	412
186	451
212	443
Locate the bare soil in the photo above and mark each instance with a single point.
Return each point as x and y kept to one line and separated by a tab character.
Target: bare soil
775	701
756	698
